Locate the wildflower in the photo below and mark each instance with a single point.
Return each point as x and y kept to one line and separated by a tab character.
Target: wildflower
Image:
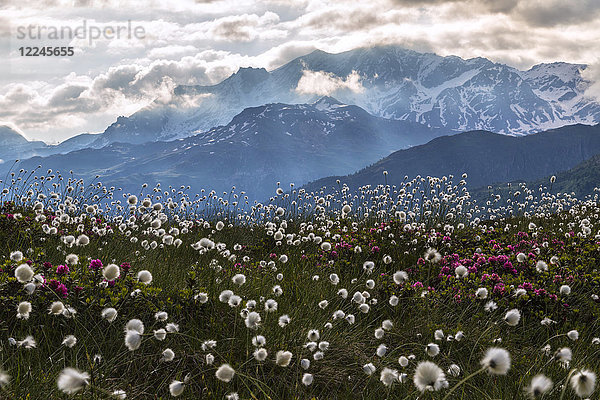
512	317
403	361
323	304
210	359
23	310
71	381
30	287
144	277
69	341
564	355
239	279
438	335
135	325
111	272
388	376
393	300
454	370
432	256
387	325
381	350
369	369
133	340
358	298
313	335
481	293
370	284
284	320
379	332
583	383
521	257
305	363
520	292
459	335
56	308
573	335
307	379
208	344
176	388
428	376
72	259
335	279
283	358
547	321
234	301
270	305
565	290
252	320
541	266
16	256
432	349
4	379
260	354
496	361
225	373
167	355
225	295
490	306
161	316
277	290
540	385
400	277
109	314
160	334
119	394
258	341
24	273
368	266
28	342
461	271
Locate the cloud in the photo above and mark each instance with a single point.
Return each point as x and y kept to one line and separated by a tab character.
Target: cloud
549	13
242	28
324	84
592	75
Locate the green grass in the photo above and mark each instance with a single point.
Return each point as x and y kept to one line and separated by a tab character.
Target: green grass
181	272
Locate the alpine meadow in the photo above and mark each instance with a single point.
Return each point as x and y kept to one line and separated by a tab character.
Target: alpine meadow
303	199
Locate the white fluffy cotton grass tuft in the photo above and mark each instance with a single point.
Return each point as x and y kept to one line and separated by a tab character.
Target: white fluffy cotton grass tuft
283	358
134	329
111	272
429	377
145	277
176	388
496	361
225	373
24	273
23	310
109	314
539	386
71	381
583	382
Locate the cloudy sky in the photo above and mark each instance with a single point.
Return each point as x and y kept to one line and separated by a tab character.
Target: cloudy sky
203	42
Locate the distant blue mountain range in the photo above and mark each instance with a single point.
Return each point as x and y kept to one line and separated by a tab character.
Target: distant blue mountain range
323	115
